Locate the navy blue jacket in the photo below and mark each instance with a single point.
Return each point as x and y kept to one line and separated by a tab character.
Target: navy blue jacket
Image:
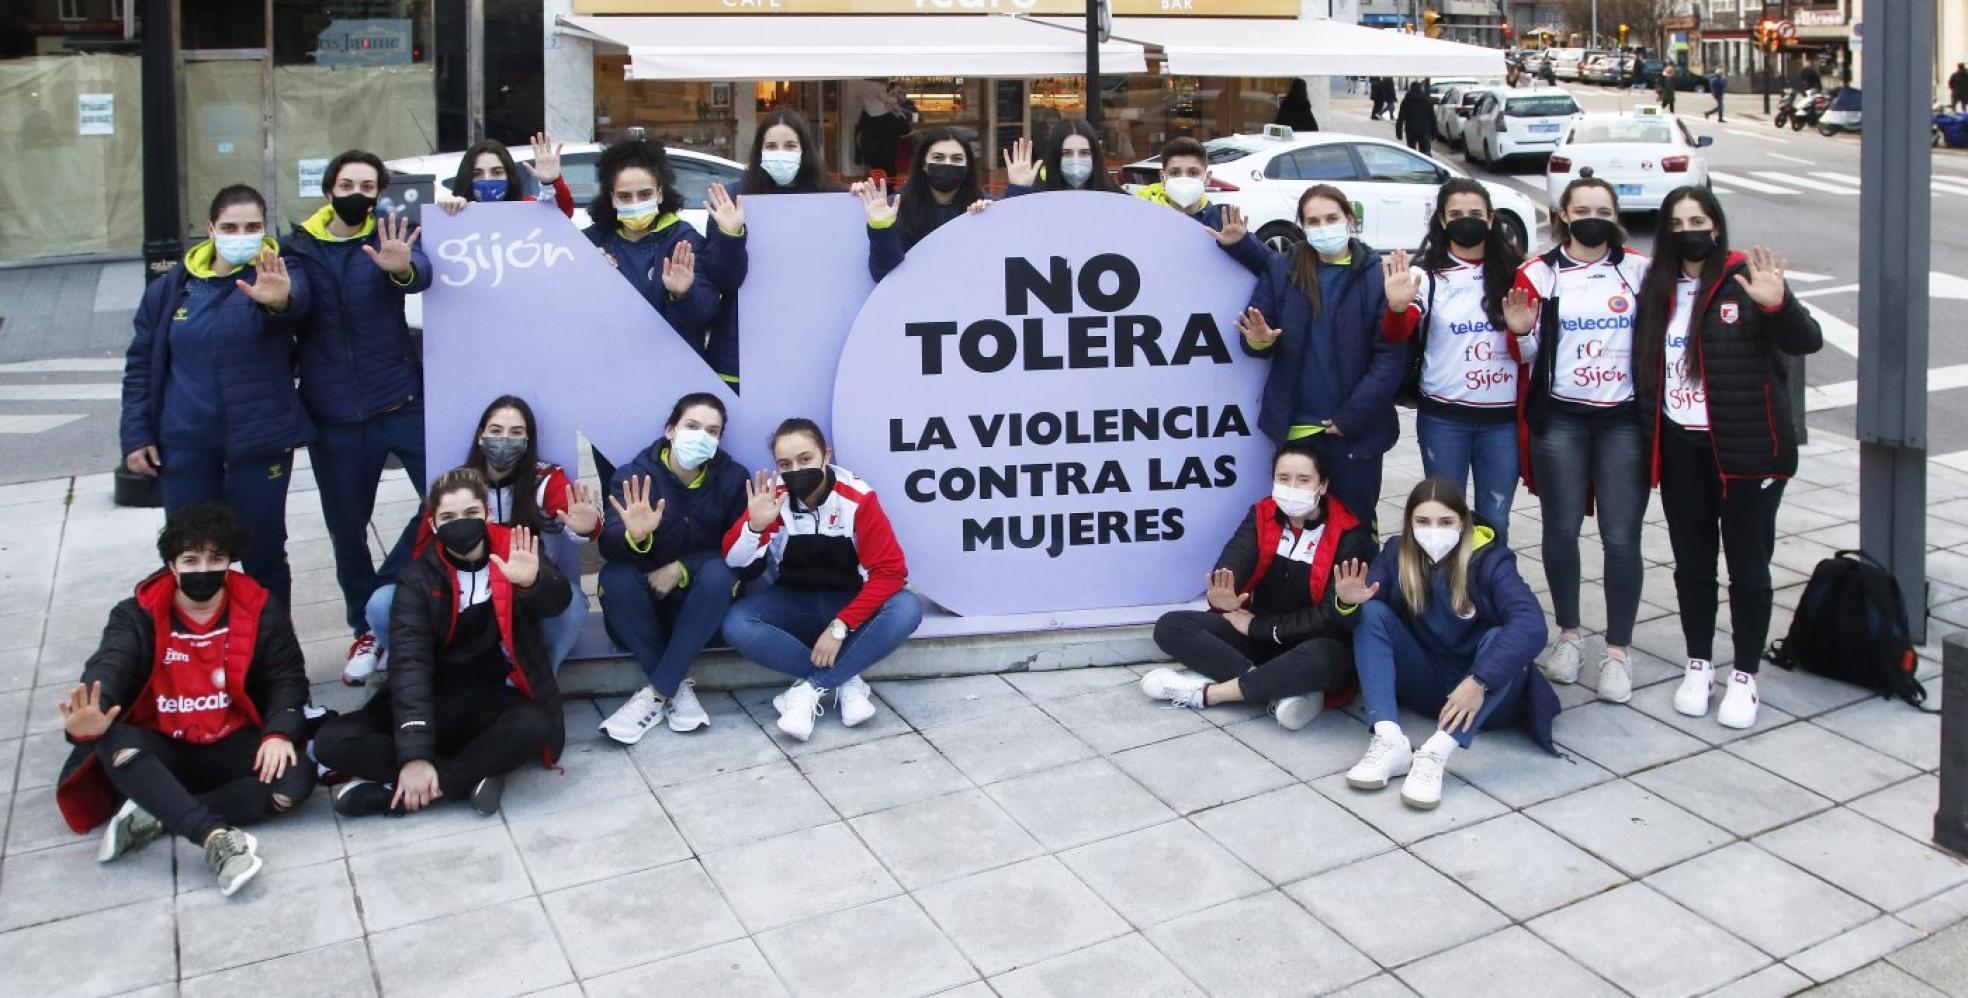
264	415
694	520
1369	364
691	315
1503	602
727	263
356	357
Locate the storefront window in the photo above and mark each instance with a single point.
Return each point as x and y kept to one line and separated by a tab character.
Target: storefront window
691	114
1145	111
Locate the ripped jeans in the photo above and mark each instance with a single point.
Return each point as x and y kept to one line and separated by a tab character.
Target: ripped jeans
196	790
1454	448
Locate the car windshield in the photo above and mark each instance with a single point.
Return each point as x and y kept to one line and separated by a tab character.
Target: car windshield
1622	130
1545	106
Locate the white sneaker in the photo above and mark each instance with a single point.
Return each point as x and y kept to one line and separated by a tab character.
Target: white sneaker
1738	708
1566	659
798	707
1388	755
1294	713
686	714
1182	689
852	697
634	719
361	661
1423	787
1697	684
1615	679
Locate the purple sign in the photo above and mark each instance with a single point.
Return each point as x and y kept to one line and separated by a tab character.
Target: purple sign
1051	399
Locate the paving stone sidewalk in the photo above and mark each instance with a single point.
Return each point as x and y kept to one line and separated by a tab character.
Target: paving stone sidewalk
1031	833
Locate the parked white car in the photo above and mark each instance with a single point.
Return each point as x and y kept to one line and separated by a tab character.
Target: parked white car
1643	153
1452	115
1392	187
1566	63
1509	123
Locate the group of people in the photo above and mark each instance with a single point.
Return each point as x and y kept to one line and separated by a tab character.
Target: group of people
1589	372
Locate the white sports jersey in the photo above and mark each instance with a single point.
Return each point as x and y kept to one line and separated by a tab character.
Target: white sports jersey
1686	399
1594	342
1467	359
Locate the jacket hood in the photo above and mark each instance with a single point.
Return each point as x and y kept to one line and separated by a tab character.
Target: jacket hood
316	225
202	260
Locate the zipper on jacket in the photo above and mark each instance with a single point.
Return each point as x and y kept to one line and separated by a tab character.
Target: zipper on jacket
1770	414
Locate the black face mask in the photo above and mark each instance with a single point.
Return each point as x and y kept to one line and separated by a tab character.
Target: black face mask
352	208
502	453
1469	231
803	482
1594	232
462	536
201	586
944	177
1695	245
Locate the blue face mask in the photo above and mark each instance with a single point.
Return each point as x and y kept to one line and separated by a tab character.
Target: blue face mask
693	447
1076	171
489	190
238	249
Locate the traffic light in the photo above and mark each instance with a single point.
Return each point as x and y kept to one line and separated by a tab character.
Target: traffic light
1766	35
1505	29
1428	19
1623	30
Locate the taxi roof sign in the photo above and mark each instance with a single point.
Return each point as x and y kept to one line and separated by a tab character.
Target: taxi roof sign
1280	133
1648	111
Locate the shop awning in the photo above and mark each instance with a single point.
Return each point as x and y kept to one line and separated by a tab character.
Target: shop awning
791	47
1217	46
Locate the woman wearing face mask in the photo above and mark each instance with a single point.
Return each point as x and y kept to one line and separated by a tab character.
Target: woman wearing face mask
1709	339
837	604
1072	161
635	224
942	184
1583	439
1316	313
487	173
208	381
1442	624
1471	364
787	158
1273	633
520	491
665	587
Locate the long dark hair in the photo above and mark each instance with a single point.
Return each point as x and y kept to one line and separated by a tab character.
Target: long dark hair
812	177
524	478
461	185
692	401
626	154
1560	232
1500	258
1657	290
915	208
1305	259
1052	178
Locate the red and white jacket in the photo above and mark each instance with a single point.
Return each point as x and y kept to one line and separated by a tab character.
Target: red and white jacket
550	484
846	543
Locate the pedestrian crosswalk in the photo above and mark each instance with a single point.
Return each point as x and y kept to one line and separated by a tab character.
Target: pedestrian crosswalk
43	395
1782	183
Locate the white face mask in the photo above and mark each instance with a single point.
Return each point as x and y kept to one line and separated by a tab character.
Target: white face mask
1184	191
1329	239
238	249
781	165
1437	542
1296	502
1076	171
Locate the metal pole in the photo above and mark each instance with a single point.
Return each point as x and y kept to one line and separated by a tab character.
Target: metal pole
1951	817
1594	40
163	227
1896	226
1093	63
475	68
1767	53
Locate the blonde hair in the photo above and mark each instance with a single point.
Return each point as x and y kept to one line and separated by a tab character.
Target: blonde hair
1414	566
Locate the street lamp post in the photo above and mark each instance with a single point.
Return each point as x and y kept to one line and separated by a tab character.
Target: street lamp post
163	229
1093	63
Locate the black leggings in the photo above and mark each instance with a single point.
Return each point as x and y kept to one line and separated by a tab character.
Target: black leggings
480	733
1701	518
196	790
1206	643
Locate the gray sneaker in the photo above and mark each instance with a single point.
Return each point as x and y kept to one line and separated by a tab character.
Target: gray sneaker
234	858
1566	659
131	830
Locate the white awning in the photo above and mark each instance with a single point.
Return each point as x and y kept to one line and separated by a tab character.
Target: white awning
1216	46
791	47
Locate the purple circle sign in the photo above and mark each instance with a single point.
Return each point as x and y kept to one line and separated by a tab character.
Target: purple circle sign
1052	401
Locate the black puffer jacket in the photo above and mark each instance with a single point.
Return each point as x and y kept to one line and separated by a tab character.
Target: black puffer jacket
1740	349
1294	601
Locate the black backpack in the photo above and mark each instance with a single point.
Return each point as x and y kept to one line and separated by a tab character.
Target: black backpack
1851	625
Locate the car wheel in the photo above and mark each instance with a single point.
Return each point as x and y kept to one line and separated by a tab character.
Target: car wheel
1281	237
1513	231
1824	129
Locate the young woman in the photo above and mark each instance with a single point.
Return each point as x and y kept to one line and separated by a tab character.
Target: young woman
1444	625
1471	364
1584	443
1273	632
521	491
665	587
1709	339
487	173
1071	161
787	158
942	184
636	225
208	381
1316	313
837	605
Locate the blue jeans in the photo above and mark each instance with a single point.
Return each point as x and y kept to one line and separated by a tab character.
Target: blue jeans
1355	479
256	491
1605	457
1453	448
348	463
665	635
777	627
558	634
1395	669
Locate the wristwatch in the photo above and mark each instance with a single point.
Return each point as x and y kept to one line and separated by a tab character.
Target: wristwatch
838	629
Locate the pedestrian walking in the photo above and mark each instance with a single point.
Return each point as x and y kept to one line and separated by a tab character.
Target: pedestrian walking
1415	121
1667	87
1718	85
1958	87
1381	88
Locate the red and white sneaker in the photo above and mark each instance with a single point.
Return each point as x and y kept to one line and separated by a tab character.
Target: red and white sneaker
361	661
1738	708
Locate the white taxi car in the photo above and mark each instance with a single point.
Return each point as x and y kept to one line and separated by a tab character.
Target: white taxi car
1644	154
1392	187
1507	124
1452	115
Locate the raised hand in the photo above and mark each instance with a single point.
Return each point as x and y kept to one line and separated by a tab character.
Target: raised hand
1235	228
639	518
1399	278
1019	166
875	200
275	755
765	497
1519	312
1257	331
82	713
680	269
1223	595
395	235
977	207
1350	583
583	509
546	159
726	211
1765	282
271	284
521	565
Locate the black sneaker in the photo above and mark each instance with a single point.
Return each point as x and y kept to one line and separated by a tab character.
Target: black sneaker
362	798
485	796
